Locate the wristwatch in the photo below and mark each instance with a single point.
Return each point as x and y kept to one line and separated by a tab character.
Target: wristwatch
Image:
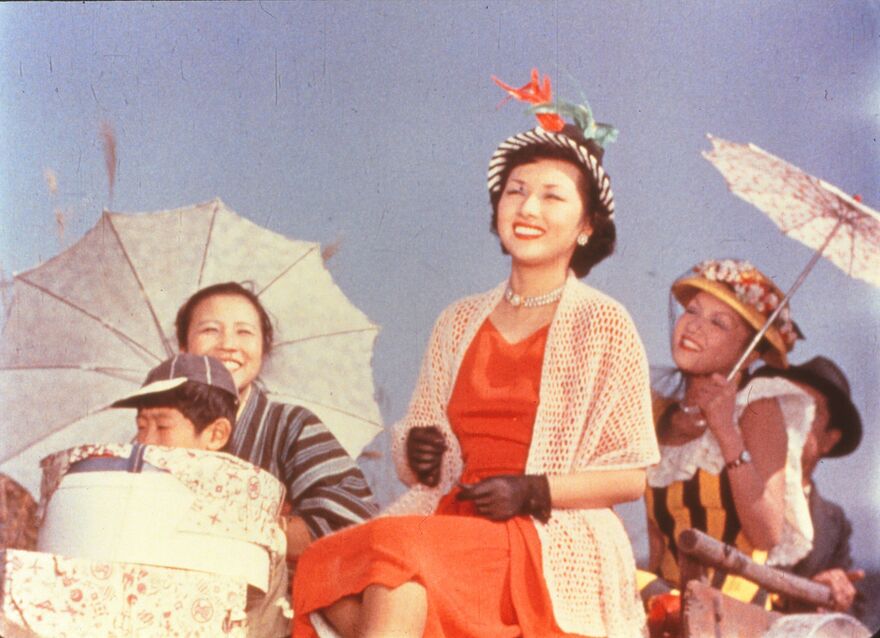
743	458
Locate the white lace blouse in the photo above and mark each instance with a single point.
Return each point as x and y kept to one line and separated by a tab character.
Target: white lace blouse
680	462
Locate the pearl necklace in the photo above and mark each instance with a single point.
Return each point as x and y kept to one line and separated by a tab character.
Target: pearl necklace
546	299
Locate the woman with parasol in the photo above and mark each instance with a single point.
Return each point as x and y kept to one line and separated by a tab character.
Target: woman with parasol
730	447
325	488
530	420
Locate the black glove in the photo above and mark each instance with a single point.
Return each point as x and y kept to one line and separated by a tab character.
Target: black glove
424	451
502	497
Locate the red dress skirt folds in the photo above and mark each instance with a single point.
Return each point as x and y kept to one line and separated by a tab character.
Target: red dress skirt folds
483	578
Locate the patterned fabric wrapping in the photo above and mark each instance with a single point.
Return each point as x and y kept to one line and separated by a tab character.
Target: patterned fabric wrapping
235	499
595	414
18	515
56	597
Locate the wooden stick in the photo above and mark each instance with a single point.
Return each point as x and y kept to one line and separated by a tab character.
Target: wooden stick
797	284
722	556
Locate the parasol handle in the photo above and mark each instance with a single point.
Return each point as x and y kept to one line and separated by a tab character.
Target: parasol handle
784	302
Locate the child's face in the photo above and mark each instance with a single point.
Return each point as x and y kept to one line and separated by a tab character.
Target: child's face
168	427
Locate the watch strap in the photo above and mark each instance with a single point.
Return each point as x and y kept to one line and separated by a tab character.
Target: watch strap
743	458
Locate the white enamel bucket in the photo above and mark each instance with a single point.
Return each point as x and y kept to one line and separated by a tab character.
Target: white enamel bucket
817	626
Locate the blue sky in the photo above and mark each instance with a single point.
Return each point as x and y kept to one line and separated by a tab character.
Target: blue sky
371	124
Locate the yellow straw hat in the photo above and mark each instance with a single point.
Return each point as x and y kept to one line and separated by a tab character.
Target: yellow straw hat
750	293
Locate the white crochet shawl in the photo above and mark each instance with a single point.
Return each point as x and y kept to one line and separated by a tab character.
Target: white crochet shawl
594	414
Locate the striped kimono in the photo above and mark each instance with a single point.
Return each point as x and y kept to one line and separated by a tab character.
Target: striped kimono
324	485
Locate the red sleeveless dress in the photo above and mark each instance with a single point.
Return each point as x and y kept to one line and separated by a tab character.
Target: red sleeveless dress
483	578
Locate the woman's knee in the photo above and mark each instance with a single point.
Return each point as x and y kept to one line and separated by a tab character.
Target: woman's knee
398	611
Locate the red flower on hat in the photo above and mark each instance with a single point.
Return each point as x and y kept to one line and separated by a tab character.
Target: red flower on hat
535	92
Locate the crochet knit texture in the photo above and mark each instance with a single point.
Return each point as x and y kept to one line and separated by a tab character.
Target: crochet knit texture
594	414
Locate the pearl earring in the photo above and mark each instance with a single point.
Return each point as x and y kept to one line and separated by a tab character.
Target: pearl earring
582	239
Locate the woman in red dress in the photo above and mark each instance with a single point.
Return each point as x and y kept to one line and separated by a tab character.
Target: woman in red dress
530	420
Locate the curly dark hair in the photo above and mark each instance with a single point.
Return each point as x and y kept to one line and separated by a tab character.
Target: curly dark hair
604	236
184	315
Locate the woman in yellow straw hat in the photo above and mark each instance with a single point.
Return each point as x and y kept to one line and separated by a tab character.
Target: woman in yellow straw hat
730	450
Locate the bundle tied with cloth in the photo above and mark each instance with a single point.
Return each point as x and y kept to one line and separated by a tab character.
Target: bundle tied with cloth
149	540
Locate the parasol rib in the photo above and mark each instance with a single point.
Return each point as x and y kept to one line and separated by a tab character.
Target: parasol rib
809	220
301	399
207	244
287	270
325	335
168	351
117	373
782	304
116	331
852	247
